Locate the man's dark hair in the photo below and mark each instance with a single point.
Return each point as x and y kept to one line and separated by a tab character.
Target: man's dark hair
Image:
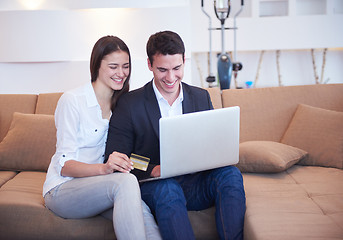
165	43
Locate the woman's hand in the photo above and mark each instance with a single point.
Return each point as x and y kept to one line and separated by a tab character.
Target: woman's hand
117	162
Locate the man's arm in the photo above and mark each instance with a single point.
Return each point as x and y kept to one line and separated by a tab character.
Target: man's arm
120	136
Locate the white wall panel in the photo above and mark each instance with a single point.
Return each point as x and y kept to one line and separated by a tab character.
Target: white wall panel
48	51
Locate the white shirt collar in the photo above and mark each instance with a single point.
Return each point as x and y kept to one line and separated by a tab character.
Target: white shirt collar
90	95
160	97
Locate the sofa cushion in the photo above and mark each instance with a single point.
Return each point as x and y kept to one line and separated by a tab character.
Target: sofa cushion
10	103
47	102
24	215
267	156
29	143
303	202
318	181
204	222
267	112
320	133
216	97
5	176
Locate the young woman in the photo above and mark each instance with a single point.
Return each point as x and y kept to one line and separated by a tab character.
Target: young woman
78	183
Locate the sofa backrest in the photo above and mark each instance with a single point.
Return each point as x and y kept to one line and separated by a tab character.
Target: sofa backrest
10	103
216	97
266	112
44	103
47	102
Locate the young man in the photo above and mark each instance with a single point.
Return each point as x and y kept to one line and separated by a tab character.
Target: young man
134	128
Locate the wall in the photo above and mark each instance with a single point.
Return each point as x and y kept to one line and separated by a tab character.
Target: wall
292	26
48	49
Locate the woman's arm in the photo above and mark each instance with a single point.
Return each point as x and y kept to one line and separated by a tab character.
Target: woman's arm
116	162
74	168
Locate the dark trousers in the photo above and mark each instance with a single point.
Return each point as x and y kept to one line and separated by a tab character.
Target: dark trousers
169	199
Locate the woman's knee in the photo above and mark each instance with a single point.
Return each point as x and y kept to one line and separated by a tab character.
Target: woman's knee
121	178
128	179
123	183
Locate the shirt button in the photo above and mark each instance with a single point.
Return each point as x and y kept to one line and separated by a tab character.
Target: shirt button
96	130
63	155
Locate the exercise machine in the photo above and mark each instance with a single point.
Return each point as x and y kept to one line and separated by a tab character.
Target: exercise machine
225	66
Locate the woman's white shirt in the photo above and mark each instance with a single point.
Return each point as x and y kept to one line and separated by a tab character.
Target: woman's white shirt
81	133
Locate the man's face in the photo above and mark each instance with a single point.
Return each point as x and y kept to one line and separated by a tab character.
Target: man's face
168	73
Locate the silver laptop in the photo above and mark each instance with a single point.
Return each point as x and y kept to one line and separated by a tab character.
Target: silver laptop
198	141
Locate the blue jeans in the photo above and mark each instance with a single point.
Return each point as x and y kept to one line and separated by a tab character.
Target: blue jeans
169	199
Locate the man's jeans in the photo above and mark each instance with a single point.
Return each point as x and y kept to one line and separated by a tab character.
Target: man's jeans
169	199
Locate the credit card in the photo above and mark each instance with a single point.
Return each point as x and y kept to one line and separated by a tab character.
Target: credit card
140	162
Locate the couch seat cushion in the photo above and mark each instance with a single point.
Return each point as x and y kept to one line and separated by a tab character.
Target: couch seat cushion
289	226
5	176
204	224
22	204
303	202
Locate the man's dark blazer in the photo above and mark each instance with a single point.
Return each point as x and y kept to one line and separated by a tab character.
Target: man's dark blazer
134	125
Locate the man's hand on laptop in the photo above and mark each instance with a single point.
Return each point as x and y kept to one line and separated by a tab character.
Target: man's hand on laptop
156	171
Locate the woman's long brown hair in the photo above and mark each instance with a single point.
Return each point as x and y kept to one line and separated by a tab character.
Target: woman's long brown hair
104	46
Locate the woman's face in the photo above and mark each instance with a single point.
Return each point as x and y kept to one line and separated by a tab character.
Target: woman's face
114	69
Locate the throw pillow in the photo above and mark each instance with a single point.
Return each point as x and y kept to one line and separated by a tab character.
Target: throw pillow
267	156
320	133
29	143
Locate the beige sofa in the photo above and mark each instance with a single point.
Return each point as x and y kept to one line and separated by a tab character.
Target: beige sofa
291	157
